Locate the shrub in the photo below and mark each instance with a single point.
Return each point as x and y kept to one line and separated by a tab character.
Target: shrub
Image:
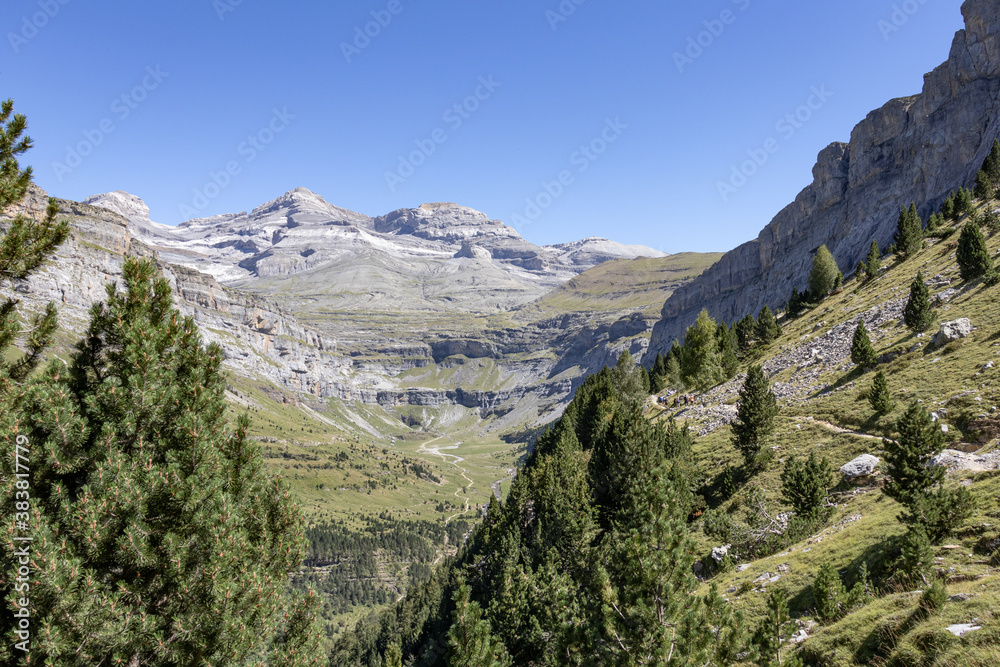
804	485
829	593
862	352
824	274
879	397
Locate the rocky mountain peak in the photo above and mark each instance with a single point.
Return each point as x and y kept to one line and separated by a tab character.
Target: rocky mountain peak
302	206
450	223
127	205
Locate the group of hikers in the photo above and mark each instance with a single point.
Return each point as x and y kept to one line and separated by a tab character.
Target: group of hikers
679	400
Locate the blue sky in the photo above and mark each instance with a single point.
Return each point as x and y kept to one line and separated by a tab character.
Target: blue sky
566	119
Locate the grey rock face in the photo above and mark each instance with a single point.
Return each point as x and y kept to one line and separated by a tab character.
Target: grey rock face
953	331
863	466
913	149
719	553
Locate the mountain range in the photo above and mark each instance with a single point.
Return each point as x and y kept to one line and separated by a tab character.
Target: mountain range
317	303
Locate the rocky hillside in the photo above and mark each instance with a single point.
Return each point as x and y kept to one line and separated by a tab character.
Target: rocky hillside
912	149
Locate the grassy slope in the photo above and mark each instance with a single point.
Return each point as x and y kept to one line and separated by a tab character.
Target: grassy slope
643	283
953	377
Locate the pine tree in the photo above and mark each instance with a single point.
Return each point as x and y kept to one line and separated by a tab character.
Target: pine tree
984	188
471	642
795	304
674	372
862	352
948	208
917	313
963	202
873	263
777	625
988	177
973	256
726	339
920	439
909	233
879	397
393	656
701	364
755	415
934	223
25	246
829	593
658	378
768	329
823	275
804	485
160	538
991	165
746	334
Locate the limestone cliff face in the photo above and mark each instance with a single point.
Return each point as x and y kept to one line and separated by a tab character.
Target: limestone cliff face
912	149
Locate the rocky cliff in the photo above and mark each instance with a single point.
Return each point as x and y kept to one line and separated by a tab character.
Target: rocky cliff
913	149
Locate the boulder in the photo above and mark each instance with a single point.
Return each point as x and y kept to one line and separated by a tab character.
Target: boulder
863	466
952	331
719	553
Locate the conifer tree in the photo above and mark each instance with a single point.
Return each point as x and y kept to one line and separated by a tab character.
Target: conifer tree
471	642
777	625
829	593
768	329
823	275
920	439
983	189
746	334
755	414
973	256
917	314
879	397
159	536
991	165
804	485
726	339
862	352
393	656
934	223
701	364
963	202
674	372
795	304
24	247
909	236
948	208
873	263
658	375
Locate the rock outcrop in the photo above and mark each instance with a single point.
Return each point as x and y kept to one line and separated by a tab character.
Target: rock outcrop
912	149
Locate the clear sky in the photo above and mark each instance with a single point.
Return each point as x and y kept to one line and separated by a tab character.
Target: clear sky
566	119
